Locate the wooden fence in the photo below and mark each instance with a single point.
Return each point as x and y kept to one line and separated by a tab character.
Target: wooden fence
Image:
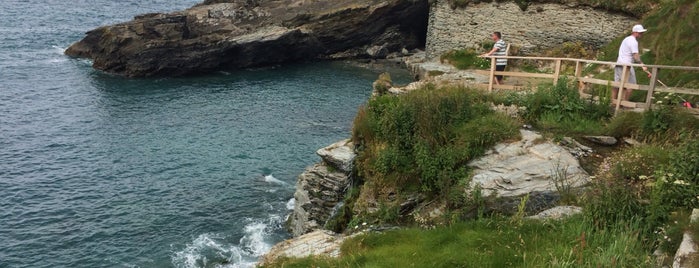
652	87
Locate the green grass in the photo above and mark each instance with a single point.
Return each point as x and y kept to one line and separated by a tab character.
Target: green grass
495	242
465	59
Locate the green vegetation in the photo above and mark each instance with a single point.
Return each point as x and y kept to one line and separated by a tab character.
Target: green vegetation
559	108
465	59
493	242
422	141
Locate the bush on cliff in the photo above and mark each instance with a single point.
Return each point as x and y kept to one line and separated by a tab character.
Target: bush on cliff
421	141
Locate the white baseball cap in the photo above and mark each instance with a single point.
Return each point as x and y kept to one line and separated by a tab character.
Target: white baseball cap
638	28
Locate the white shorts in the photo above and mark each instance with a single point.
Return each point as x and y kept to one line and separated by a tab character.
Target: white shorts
631	75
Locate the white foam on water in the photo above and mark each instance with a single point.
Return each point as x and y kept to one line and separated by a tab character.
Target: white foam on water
291	204
271	179
210	249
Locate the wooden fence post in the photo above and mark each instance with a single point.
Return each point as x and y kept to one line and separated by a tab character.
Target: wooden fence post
651	87
624	74
557	72
578	73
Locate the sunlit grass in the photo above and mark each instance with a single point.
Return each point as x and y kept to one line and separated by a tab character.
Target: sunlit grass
495	242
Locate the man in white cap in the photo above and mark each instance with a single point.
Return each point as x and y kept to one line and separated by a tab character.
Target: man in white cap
628	53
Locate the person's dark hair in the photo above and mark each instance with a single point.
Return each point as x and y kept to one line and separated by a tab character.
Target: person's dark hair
498	34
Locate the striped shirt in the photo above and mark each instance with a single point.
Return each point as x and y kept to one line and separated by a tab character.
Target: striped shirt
502	47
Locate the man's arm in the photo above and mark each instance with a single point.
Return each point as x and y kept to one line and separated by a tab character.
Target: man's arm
490	52
637	58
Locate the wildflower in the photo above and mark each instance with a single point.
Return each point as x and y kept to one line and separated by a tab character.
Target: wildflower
680	182
659	102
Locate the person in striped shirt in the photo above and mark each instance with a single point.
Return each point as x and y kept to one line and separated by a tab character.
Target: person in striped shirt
499	49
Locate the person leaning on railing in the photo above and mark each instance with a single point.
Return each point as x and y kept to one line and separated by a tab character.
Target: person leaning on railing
628	54
499	49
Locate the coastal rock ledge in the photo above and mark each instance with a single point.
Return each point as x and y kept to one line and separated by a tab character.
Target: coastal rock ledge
321	188
229	34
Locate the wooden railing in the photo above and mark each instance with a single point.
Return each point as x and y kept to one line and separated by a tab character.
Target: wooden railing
583	81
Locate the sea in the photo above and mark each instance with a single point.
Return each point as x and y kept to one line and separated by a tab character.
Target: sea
98	170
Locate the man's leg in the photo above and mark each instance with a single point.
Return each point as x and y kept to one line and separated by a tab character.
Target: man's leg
617	78
498	78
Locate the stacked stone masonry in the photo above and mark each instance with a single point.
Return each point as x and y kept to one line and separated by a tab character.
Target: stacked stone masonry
540	27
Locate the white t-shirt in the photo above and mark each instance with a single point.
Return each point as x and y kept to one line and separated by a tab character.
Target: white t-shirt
628	47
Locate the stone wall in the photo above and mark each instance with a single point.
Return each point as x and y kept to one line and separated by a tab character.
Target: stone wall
541	27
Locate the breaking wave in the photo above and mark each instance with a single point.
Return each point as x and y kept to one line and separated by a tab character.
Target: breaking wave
213	249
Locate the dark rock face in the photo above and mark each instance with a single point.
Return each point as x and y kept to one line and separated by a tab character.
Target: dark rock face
220	34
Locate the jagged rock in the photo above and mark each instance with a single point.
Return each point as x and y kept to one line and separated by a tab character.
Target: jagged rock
532	166
237	34
602	140
377	52
340	155
575	148
557	213
320	242
318	190
687	254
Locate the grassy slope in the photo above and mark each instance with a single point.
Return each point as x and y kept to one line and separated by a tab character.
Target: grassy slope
672	40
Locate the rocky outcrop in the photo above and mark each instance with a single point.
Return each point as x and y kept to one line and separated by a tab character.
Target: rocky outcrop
532	166
340	155
540	27
237	34
320	242
321	187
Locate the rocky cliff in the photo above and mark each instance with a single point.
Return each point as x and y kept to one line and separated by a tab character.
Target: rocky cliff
237	34
321	187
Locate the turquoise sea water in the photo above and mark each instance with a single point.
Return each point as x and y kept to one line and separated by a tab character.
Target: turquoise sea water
101	171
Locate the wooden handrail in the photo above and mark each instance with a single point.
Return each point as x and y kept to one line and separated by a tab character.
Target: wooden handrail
672	67
582	81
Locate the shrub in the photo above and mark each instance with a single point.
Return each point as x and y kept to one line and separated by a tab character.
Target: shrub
622	191
677	182
426	137
560	106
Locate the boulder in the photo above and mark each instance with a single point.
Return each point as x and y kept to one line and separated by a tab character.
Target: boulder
230	34
320	242
339	155
557	213
532	166
602	140
318	191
